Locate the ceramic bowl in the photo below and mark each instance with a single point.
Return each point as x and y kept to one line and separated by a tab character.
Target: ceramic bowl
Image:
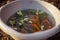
9	9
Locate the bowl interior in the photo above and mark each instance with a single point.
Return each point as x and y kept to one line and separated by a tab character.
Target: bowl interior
10	9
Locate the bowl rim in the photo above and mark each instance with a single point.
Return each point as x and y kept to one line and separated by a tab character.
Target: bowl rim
2	23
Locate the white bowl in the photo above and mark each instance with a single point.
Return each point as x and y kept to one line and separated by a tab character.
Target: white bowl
9	9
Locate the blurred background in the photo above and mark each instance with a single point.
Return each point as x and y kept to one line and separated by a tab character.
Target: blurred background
54	2
4	36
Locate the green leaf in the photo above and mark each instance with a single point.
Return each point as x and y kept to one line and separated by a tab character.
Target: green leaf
12	22
42	13
20	24
32	11
21	20
20	13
